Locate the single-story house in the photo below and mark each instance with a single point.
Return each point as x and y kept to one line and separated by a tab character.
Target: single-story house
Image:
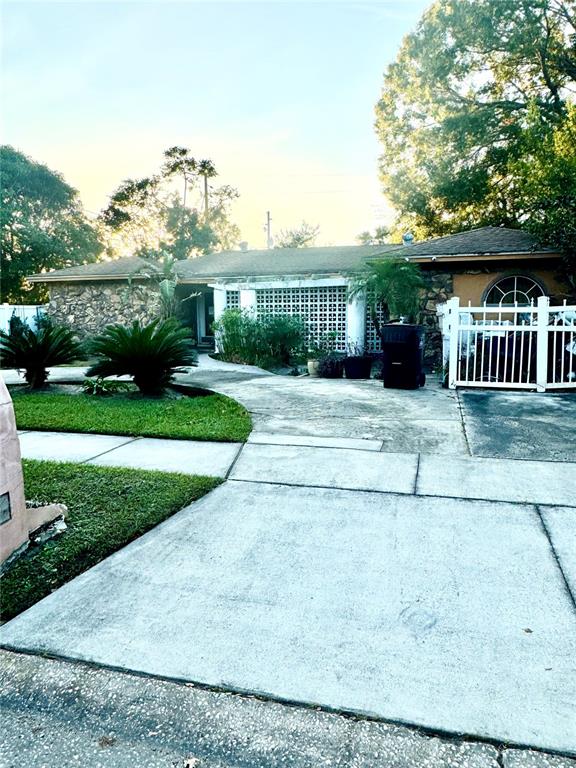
490	265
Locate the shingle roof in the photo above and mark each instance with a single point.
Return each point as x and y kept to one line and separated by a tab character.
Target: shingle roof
475	242
280	261
310	261
115	268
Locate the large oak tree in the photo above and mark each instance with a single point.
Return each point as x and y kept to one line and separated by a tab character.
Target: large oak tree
461	105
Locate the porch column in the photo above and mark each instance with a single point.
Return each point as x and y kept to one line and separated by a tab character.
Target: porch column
219	302
248	299
356	320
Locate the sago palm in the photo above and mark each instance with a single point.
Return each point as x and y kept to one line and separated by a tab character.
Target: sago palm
33	351
151	354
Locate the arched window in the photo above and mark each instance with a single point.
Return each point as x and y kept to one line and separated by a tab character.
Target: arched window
515	289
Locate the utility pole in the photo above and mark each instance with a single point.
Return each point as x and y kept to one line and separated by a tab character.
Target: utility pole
268	229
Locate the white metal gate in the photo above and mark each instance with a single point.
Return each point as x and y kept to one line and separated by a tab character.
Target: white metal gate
510	346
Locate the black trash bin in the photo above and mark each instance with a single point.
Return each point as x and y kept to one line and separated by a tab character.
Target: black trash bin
403	355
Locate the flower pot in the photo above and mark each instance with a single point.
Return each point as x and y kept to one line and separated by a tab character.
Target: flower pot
331	368
358	367
313	366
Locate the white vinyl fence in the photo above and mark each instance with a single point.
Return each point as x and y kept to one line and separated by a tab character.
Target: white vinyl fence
26	312
510	346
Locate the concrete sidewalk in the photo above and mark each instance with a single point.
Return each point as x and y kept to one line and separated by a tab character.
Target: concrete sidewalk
402	578
297	460
413	609
187	456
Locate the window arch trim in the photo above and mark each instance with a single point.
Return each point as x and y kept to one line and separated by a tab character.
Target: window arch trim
537	289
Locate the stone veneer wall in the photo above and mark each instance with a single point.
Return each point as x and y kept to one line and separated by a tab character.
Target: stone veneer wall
439	286
89	307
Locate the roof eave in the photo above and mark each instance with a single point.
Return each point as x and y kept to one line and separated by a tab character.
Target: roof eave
497	256
48	278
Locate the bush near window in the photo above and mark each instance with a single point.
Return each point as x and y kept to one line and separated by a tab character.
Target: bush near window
151	354
33	351
267	340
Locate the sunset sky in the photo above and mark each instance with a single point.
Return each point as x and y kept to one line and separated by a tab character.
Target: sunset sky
279	95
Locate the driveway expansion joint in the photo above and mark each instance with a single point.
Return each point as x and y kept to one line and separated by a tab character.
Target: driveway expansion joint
411	494
555	555
463	422
233	464
415	491
98	455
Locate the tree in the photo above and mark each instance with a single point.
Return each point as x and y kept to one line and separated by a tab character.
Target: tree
299	237
43	226
456	104
393	284
146	216
546	184
380	236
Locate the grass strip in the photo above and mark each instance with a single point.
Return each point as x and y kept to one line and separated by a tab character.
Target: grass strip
107	508
212	417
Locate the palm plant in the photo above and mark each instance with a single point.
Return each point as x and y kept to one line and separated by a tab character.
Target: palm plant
151	354
33	351
393	283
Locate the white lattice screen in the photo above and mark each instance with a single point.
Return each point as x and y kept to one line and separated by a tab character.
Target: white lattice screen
232	299
323	309
373	342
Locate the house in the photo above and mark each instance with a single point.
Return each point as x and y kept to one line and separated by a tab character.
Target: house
491	264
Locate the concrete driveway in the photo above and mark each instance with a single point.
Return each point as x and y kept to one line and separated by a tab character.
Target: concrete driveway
432	420
354	564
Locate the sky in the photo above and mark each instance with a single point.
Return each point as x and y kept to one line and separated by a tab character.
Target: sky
279	95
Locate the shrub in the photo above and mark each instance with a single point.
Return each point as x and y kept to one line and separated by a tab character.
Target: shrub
151	354
35	350
281	337
100	386
267	340
236	334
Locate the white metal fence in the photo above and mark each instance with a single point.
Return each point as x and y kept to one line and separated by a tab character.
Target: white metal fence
510	346
26	312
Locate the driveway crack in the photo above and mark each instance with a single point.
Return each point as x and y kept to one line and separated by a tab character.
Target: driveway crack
463	422
556	557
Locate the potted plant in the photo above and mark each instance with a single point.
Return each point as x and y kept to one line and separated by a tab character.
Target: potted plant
396	284
323	358
331	366
314	355
357	364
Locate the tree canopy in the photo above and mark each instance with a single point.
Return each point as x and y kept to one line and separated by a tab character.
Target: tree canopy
299	237
43	226
147	216
380	236
461	106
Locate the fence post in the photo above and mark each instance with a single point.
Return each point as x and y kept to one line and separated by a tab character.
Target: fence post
453	311
543	314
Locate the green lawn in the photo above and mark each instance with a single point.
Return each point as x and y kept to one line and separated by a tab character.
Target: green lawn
210	417
107	508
